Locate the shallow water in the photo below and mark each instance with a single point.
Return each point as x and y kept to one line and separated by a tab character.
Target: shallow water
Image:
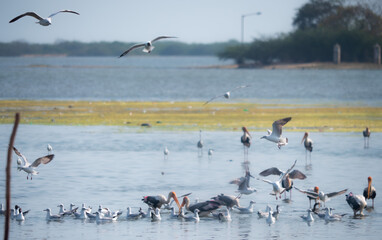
116	166
150	78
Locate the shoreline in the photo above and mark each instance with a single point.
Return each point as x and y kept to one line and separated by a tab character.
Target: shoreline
190	116
302	66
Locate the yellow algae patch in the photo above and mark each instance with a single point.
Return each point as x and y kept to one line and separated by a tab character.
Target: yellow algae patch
193	115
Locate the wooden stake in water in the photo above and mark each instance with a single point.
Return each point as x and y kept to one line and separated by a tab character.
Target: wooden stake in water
8	175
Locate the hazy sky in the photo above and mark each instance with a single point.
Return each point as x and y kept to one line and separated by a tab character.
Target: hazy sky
196	21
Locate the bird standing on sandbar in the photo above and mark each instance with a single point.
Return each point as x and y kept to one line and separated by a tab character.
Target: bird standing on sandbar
42	21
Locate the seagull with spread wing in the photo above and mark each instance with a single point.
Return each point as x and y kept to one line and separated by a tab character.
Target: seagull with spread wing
324	197
277	186
30	168
286	181
275	134
42	21
147	46
243	184
227	94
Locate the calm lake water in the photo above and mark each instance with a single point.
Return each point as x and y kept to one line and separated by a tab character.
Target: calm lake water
149	78
116	166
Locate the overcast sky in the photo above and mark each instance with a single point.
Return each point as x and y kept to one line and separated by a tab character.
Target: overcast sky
194	21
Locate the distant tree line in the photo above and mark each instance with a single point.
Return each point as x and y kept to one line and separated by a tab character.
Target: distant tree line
319	25
74	48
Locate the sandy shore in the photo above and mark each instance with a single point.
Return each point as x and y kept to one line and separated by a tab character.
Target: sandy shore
192	115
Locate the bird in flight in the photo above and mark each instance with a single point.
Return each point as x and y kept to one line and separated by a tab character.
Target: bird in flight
147	46
42	21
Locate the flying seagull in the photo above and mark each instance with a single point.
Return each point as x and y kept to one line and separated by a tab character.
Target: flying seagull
227	94
147	46
42	21
30	168
275	134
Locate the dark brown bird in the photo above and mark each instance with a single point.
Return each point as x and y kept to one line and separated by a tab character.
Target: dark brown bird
366	136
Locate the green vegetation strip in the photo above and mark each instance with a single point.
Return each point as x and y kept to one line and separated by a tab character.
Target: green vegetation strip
177	116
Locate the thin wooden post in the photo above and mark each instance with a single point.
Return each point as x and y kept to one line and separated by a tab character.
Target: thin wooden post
8	175
377	54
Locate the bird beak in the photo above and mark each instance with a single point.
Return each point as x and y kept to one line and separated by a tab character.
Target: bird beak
305	136
368	189
176	199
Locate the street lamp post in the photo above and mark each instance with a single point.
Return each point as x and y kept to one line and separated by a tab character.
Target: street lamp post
242	23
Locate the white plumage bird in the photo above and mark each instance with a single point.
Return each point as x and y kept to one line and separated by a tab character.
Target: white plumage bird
147	46
42	21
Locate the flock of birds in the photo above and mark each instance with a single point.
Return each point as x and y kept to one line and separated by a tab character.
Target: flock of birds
211	207
188	211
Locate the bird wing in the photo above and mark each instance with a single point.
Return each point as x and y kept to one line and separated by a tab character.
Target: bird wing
237	181
32	14
213	99
271	171
161	37
333	194
288	171
131	48
43	160
239	87
21	155
277	126
68	11
309	193
265	180
296	174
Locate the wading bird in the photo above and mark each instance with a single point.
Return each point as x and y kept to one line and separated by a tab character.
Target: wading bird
246	141
205	208
366	136
159	200
369	192
308	144
51	217
200	144
42	21
309	217
286	181
356	202
147	46
166	152
226	94
248	209
320	195
275	134
30	168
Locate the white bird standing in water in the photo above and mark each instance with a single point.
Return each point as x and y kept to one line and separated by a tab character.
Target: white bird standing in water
308	144
166	152
309	217
248	209
270	219
42	21
147	46
200	144
51	217
49	148
275	134
226	94
30	168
